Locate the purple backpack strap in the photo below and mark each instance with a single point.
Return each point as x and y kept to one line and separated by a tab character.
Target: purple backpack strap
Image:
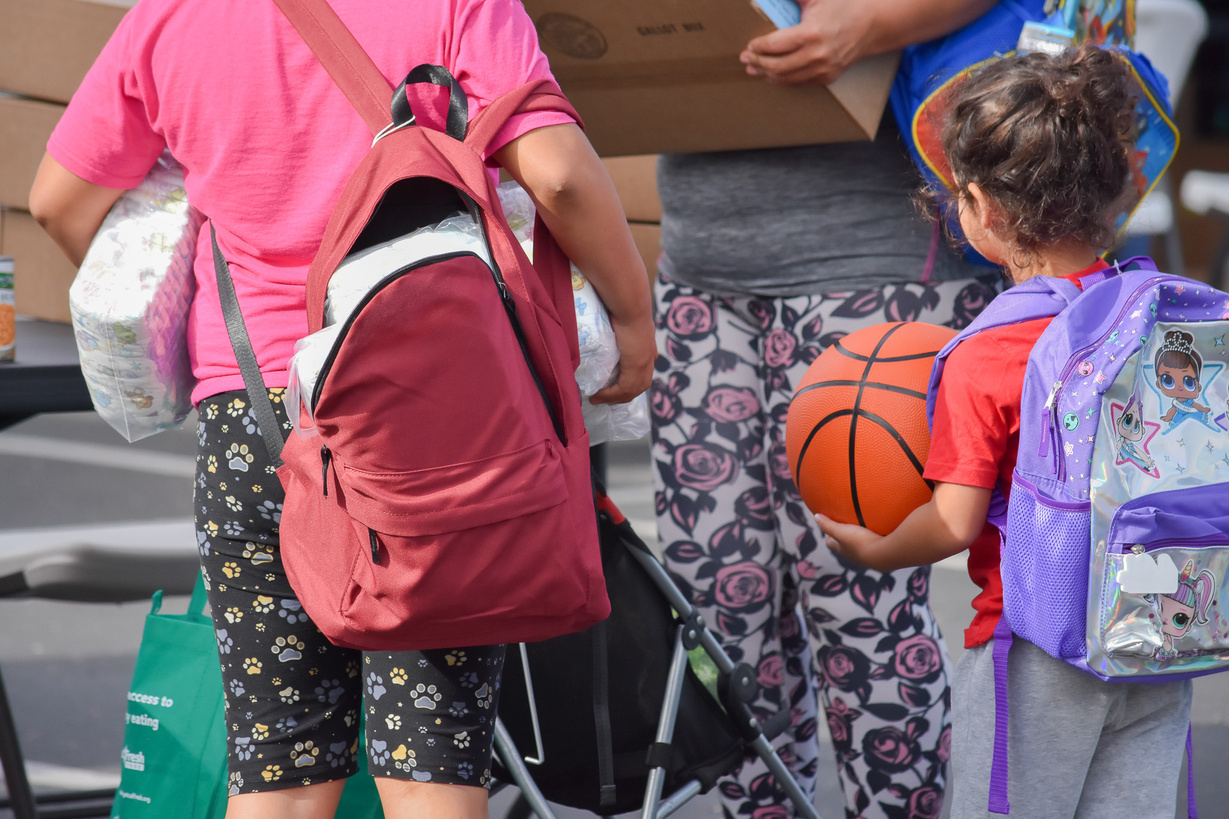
1191	811
998	762
1035	298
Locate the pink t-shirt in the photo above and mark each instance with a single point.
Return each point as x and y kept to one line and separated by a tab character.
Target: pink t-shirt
266	139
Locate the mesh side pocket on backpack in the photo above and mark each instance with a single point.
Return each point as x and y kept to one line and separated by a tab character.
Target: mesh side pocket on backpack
1045	567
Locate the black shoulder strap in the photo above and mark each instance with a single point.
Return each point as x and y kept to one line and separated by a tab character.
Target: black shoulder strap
258	393
601	717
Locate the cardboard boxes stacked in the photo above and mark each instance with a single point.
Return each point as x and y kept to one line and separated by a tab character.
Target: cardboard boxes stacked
48	47
635	179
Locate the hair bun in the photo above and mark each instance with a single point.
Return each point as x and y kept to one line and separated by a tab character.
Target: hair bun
1048	138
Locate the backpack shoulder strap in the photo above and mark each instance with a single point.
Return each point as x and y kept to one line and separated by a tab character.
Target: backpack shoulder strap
345	60
535	95
1036	298
549	261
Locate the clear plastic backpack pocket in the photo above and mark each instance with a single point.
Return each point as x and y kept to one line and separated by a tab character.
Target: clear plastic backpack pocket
1167	560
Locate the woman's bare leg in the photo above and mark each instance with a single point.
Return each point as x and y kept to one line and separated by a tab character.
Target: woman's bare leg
413	800
308	802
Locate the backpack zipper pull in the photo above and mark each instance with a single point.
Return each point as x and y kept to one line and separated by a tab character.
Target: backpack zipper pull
1049	444
375	545
325	457
1052	401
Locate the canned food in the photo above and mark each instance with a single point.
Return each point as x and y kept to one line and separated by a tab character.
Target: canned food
8	311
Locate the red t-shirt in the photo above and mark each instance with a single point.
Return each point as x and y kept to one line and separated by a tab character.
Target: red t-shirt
975	438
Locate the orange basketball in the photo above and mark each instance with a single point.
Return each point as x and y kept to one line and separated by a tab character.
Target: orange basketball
856	433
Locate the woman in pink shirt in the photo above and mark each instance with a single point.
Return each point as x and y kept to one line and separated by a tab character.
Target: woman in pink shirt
267	141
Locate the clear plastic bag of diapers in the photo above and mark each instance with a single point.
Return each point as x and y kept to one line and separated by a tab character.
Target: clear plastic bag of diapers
599	354
129	305
352	281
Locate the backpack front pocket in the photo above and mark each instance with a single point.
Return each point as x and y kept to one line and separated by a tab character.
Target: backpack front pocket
1167	561
466	554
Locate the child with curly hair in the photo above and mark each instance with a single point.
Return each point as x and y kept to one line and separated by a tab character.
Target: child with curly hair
1040	149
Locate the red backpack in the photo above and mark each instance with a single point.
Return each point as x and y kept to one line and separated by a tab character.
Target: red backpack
446	500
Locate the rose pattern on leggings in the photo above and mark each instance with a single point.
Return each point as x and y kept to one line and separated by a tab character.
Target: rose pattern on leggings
740	542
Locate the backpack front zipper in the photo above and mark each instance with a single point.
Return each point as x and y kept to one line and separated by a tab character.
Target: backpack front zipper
1050	436
325	458
505	298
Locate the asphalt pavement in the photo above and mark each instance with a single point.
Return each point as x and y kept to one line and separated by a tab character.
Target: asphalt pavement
66	666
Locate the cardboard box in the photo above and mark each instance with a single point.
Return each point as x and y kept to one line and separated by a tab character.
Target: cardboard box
635	178
25	126
41	272
663	76
648	241
50	44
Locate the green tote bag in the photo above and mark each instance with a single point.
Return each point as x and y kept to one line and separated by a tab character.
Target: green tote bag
174	755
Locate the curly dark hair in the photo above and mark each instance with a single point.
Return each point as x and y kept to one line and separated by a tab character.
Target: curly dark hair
1048	138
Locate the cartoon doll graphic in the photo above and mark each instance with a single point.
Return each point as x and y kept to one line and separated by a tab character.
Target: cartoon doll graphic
1186	607
1130	430
1178	366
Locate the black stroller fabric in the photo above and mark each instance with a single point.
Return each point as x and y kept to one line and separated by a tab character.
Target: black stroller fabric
639	641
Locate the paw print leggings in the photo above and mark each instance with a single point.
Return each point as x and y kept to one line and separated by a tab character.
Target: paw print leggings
293	699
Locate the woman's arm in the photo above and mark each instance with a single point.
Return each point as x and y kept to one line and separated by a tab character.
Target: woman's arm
574	196
69	208
834	34
945	526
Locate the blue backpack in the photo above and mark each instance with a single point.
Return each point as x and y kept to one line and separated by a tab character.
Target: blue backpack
1115	554
929	72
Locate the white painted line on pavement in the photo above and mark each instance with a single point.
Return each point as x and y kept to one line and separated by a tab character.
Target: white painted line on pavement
111	457
160	537
49	776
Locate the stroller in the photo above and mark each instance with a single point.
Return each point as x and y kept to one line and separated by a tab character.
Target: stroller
627	722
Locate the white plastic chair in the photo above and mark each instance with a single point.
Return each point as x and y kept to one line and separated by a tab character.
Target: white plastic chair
1207	193
1168	32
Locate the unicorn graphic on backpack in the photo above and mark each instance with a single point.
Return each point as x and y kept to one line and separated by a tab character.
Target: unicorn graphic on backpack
1185	608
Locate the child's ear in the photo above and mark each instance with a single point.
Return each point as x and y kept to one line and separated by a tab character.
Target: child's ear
982	206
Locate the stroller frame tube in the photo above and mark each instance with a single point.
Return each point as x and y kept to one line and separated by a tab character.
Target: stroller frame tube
760	745
511	757
665	726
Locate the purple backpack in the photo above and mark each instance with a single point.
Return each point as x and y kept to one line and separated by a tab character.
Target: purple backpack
1115	552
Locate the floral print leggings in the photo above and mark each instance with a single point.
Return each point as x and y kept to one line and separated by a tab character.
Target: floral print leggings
740	541
292	697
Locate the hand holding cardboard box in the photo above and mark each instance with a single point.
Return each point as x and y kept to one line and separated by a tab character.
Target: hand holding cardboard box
663	76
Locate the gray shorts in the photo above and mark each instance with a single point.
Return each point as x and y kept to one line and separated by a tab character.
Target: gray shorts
1077	746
